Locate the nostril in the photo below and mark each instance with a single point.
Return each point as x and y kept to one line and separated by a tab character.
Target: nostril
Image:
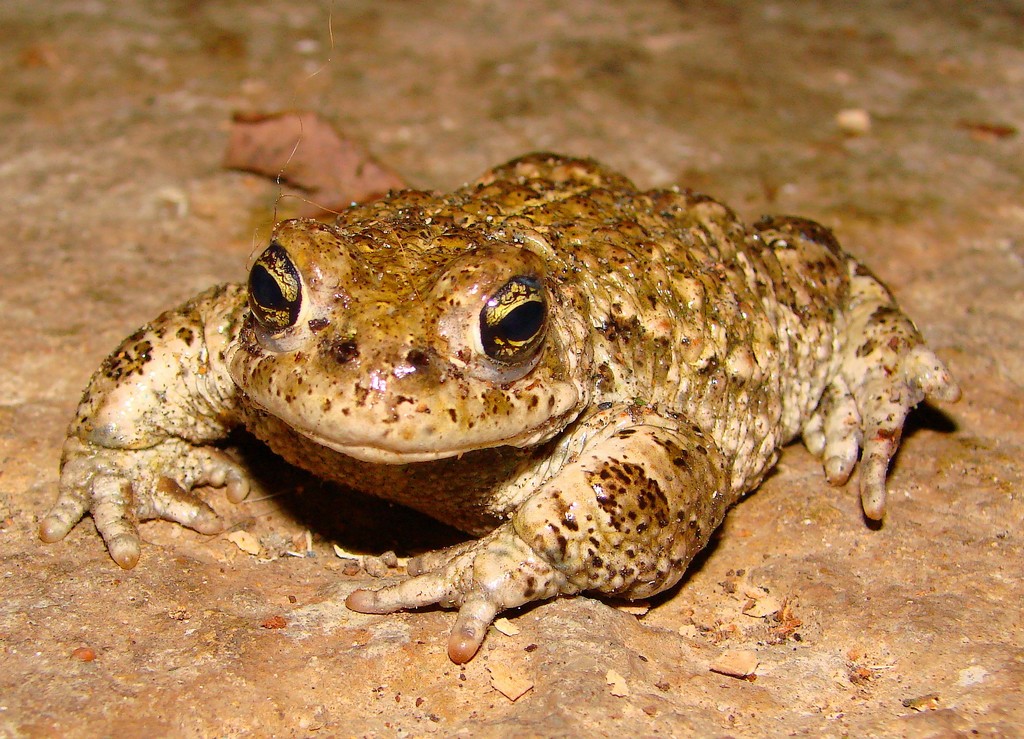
417	358
344	351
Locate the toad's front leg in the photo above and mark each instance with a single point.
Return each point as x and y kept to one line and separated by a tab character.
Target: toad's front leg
140	441
624	518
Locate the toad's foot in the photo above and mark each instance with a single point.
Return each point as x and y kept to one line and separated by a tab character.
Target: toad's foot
121	487
886	370
871	420
480	578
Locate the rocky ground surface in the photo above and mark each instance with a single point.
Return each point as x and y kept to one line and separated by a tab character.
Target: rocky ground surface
897	124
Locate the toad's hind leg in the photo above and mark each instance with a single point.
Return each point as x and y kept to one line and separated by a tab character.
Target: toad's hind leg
623	517
885	371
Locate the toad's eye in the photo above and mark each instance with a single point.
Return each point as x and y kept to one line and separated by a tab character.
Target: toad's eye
275	291
512	322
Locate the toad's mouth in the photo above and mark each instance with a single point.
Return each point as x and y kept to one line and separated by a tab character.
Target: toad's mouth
377	453
371	441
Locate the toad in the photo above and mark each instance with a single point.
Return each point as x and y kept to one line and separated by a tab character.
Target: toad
581	375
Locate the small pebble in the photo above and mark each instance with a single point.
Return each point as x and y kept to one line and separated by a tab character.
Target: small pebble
84	654
375	566
854	121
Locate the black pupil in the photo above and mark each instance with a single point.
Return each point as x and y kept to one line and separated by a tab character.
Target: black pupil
265	290
275	289
523	322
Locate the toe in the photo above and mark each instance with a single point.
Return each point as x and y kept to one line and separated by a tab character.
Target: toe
220	470
68	511
924	370
116	518
125	548
172	502
415	592
470	627
813	435
879	447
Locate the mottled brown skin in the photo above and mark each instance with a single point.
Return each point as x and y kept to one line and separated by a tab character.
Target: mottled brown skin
658	355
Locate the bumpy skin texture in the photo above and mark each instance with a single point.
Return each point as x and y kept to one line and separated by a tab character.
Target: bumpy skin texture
654	357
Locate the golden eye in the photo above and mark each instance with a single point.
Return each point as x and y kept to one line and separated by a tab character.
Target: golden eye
275	290
512	322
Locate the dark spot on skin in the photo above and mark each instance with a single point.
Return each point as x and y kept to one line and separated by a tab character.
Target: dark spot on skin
344	351
866	348
130	359
711	366
453	415
563	545
531	587
884	313
318	324
144	350
186	335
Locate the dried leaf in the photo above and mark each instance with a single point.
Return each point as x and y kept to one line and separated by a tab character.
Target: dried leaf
688	631
506	627
305	151
984	131
736	663
511	683
245	541
760	602
616	684
923	703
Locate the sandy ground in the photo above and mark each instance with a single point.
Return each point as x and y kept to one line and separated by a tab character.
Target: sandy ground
114	206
